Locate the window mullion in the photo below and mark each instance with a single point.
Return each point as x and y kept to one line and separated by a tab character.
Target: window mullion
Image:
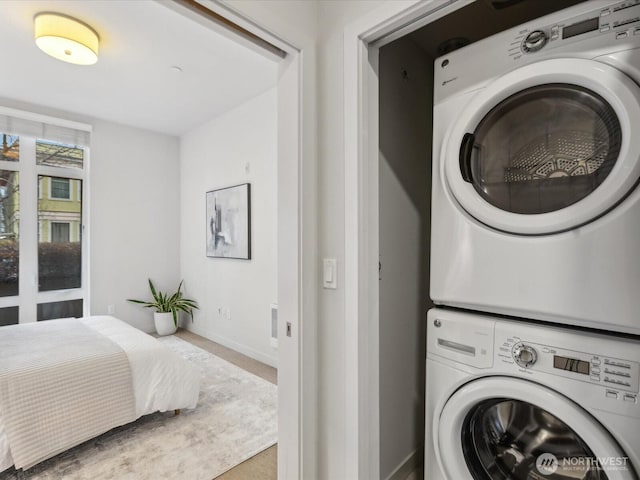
60	172
28	274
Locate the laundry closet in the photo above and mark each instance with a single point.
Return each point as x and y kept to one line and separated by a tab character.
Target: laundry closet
406	73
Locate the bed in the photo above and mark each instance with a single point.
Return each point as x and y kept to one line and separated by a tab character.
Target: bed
65	381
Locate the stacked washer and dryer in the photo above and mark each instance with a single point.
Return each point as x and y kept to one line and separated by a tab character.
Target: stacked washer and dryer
533	353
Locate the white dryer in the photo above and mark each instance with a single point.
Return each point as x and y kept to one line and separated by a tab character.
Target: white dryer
511	400
535	207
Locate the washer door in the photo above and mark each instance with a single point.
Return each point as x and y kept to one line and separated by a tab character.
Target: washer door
502	428
547	147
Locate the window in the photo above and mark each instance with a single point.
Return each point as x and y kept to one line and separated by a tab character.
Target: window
9	229
10	148
8	316
42	186
60	232
52	310
60	188
55	154
59	238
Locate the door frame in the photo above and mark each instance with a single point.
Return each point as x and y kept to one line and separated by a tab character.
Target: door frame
297	247
362	41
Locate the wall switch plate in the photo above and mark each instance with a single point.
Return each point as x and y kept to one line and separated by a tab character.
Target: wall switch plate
111	309
329	273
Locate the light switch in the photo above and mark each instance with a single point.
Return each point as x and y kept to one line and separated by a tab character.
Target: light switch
329	273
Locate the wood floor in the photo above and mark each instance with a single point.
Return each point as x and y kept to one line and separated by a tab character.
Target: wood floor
264	465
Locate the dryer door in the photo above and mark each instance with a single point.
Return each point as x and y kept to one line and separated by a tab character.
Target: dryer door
504	428
547	147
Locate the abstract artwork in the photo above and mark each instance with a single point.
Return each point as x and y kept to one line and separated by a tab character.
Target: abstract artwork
229	222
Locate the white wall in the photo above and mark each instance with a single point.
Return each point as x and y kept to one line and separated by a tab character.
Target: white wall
406	86
134	206
133	190
297	21
333	17
216	155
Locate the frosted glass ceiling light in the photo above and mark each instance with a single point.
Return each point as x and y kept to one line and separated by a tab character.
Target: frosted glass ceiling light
66	38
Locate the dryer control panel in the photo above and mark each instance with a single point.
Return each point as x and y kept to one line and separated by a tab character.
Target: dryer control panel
613	373
619	20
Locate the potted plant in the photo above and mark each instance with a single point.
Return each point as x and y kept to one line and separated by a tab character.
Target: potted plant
167	307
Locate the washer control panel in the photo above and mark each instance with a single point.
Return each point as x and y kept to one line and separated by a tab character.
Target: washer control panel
534	41
598	370
613	373
620	20
524	355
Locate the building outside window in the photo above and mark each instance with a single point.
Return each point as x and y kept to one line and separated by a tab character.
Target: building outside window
59	209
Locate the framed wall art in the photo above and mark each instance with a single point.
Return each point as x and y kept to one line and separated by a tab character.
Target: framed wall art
229	222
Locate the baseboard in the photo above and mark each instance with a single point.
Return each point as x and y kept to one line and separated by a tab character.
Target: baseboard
408	465
238	347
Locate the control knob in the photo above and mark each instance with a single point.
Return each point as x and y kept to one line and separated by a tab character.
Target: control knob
534	41
524	355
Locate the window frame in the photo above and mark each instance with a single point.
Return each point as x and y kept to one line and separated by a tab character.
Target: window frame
29	296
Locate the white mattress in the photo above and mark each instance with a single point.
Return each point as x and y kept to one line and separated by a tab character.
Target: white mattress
162	380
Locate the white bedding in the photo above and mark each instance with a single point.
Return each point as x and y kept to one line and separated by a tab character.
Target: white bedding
162	381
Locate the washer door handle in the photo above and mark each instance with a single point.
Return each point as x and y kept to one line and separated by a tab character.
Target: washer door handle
466	149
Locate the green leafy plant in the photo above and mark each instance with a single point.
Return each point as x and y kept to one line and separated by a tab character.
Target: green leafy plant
165	303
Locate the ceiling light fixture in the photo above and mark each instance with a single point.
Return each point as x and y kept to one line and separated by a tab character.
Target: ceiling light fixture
66	38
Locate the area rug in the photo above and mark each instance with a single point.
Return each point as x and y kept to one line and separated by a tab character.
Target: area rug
235	419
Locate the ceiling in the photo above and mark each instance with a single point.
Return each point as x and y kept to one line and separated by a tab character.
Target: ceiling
133	82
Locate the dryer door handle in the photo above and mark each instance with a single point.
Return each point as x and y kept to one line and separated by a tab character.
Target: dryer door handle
466	149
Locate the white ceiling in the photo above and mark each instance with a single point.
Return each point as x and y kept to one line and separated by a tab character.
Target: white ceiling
132	83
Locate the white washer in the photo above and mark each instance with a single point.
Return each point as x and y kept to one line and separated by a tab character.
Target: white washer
535	208
520	401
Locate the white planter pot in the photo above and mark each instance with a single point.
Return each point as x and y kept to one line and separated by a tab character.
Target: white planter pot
164	323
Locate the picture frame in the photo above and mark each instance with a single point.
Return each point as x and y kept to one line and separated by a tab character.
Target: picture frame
228	223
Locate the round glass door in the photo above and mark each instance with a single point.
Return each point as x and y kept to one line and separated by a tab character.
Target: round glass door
506	439
546	147
505	428
542	149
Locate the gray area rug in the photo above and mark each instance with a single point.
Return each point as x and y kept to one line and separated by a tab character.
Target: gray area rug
236	418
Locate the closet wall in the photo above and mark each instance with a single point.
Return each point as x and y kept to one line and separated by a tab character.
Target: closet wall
406	103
